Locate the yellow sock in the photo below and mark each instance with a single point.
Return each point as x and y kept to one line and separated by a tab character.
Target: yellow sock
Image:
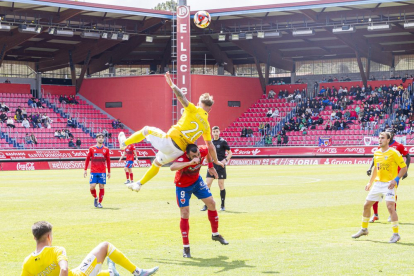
119	258
104	273
394	227
150	174
365	222
135	138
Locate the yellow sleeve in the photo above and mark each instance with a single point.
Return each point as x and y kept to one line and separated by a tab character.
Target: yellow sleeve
400	161
25	273
60	253
191	108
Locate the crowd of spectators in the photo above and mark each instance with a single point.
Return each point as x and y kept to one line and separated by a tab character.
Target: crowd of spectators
68	99
117	124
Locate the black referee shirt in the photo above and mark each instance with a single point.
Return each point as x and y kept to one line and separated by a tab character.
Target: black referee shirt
221	148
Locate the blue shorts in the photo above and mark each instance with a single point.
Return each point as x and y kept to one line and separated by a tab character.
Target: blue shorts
129	164
199	189
97	178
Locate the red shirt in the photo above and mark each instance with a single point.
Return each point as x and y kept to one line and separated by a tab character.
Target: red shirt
98	156
400	148
130	152
189	175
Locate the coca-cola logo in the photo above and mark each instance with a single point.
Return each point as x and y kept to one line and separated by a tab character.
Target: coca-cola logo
25	167
355	150
327	150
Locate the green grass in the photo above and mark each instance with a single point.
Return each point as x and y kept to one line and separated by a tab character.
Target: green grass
286	220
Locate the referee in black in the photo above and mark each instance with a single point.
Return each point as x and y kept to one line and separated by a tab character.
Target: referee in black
222	148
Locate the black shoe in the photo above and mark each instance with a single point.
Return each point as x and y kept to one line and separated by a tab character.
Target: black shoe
220	239
95	202
204	208
186	252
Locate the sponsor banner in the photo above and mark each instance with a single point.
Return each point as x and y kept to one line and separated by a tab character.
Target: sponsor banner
63	165
370	140
63	154
183	53
299	161
325	141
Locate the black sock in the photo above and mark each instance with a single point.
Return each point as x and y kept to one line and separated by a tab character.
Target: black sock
223	197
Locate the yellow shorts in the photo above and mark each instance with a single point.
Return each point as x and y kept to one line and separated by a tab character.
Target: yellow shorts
88	267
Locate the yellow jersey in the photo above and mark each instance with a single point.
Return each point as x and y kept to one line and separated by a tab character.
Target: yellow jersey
387	164
44	263
192	124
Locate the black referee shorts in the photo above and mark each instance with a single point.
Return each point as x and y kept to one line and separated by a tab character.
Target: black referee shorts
222	174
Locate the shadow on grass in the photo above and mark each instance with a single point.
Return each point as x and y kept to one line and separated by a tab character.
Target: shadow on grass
218	262
106	208
234	212
270	272
398	243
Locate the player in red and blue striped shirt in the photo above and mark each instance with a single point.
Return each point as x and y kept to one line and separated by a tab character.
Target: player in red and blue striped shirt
98	155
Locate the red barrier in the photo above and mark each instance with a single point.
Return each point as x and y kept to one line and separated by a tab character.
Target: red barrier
14	88
58	89
289	87
63	165
62	154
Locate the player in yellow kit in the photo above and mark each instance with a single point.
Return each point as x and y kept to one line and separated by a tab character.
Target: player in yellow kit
386	177
171	145
48	260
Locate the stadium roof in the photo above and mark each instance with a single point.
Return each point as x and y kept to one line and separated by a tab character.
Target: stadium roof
51	52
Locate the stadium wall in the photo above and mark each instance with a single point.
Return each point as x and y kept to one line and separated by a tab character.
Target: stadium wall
147	100
58	89
14	88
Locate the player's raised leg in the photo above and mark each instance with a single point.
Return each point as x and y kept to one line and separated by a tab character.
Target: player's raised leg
92	264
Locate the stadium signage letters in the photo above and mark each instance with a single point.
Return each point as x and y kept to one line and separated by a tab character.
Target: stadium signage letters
183	51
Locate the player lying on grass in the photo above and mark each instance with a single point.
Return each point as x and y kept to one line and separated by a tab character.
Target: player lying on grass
171	145
188	181
404	152
386	178
52	260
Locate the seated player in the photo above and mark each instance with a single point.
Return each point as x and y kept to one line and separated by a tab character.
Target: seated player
193	124
188	181
130	153
52	260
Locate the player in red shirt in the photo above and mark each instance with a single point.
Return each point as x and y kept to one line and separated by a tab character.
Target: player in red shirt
98	155
131	154
404	152
188	181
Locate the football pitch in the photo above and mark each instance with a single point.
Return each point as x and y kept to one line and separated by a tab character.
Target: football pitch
280	220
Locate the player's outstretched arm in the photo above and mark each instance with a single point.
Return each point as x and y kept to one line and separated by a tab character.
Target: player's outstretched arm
212	152
211	169
64	270
408	162
176	166
122	156
180	96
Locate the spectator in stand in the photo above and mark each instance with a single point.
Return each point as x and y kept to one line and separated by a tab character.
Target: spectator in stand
372	78
34	139
57	134
28	139
120	125
269	113
268	140
71	144
271	94
333	115
61	98
249	132
243	132
262	129
115	124
39	104
10	122
267	127
69	134
4	107
31	103
7	81
322	92
17	117
279	139
25	123
19	110
24	113
285	139
71	123
275	113
78	143
338	115
328	125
